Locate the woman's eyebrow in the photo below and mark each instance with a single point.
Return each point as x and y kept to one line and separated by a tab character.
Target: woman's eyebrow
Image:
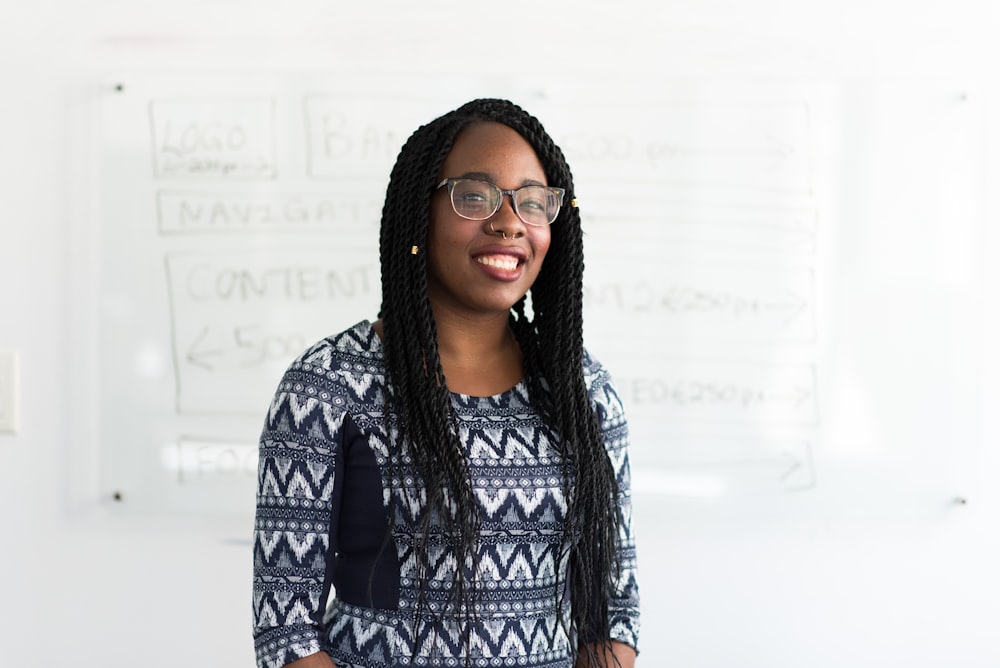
482	176
485	176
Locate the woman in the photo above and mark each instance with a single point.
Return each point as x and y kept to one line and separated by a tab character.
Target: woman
456	472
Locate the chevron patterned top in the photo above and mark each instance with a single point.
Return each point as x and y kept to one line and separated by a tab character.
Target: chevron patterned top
324	578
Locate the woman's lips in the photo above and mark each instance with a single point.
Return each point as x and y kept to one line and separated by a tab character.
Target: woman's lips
502	263
505	262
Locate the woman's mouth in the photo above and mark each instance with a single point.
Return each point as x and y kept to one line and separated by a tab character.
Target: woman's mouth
503	262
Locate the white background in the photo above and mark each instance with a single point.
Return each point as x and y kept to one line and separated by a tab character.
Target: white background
825	534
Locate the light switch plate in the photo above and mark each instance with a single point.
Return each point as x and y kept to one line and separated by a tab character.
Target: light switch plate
8	392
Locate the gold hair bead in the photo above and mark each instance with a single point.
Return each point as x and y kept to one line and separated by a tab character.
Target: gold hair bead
575	203
414	250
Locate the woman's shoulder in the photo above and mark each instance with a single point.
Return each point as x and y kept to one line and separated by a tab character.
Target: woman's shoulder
357	348
600	385
351	359
337	376
593	371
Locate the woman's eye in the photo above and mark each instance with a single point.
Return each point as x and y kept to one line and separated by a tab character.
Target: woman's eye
534	201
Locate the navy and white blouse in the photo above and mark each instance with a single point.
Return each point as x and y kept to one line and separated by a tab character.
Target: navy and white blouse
323	576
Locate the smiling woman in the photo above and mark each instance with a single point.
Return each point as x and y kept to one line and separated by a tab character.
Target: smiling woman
448	486
478	268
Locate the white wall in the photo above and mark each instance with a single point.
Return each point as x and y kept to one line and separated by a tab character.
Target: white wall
844	574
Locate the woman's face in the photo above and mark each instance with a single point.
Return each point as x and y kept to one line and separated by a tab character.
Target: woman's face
472	268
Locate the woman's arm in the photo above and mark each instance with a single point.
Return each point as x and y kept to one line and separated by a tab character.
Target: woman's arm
298	492
619	654
623	610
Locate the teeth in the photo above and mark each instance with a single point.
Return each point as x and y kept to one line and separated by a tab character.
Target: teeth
505	262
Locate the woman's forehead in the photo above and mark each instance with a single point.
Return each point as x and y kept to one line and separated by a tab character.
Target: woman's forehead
494	150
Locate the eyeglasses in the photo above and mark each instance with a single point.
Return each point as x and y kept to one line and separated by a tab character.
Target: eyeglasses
478	200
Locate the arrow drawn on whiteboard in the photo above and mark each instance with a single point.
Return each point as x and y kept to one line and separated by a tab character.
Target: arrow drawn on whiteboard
197	357
786	462
795	306
796	397
794	464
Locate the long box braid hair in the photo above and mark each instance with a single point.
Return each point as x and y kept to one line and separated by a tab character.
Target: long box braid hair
552	346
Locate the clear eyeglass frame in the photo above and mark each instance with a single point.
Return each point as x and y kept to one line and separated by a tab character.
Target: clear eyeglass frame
551	197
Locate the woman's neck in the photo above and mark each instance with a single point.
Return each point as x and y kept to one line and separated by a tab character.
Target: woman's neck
480	356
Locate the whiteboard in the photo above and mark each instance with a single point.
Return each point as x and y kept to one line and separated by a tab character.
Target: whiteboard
755	280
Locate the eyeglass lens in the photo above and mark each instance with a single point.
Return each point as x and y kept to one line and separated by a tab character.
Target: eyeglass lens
478	200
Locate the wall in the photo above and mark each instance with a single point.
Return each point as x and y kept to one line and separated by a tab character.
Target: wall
869	561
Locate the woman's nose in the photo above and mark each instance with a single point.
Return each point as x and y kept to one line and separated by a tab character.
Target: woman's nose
506	221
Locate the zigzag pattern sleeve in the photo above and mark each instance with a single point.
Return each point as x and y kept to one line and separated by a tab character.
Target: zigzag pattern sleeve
624	612
297	494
